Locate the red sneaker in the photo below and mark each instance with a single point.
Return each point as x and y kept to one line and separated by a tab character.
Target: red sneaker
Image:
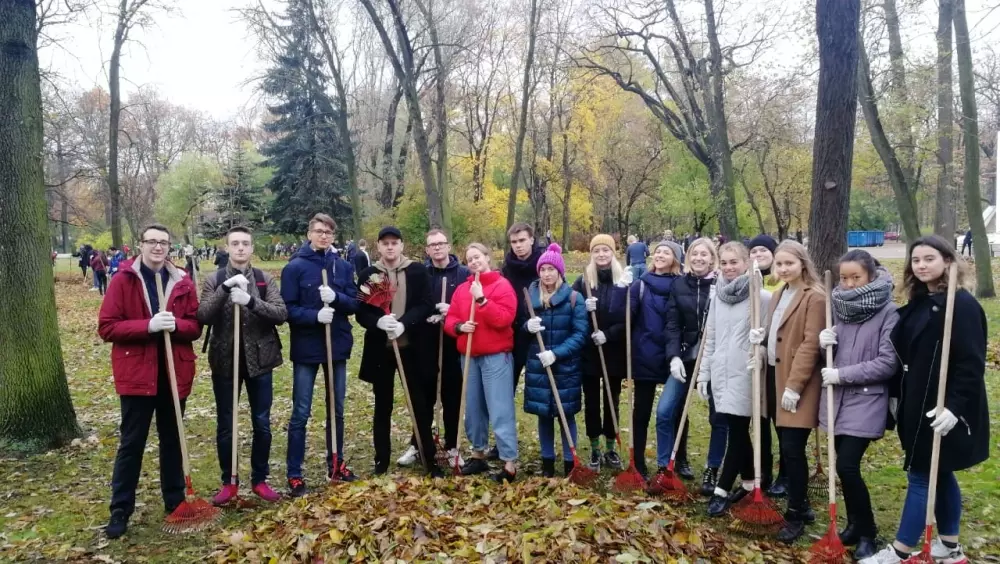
265	492
226	494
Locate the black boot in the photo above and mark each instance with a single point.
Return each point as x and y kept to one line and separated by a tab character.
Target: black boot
567	467
684	470
779	488
708	480
850	535
866	548
475	466
718	506
118	524
791	531
548	467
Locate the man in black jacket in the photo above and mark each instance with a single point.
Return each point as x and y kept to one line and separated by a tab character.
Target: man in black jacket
406	324
519	269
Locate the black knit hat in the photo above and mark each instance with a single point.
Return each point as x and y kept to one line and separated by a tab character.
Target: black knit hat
763	240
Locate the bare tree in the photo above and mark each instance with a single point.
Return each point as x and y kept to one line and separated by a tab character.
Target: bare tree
945	218
527	90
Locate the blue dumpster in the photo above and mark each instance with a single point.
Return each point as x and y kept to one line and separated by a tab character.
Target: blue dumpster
865	238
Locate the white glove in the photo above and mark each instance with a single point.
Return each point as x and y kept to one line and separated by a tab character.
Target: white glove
591	304
434	319
442	308
828	337
677	370
790	400
239	296
327	295
548	358
754	362
626	280
387	323
163	321
943	423
703	390
238	280
325	315
831	376
599	338
893	406
476	289
757	336
469	327
396	331
535	325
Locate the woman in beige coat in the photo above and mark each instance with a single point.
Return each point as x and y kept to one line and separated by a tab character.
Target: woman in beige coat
795	317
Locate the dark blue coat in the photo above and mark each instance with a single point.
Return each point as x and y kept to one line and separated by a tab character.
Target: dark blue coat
650	297
300	282
566	331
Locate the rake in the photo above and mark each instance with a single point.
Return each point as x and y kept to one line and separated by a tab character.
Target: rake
756	513
580	475
335	470
829	549
233	487
629	480
438	405
668	483
925	553
465	380
604	372
194	513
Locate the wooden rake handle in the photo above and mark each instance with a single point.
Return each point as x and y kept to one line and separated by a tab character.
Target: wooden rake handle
949	318
438	407
168	351
687	402
755	351
604	366
234	452
331	397
465	378
831	417
552	379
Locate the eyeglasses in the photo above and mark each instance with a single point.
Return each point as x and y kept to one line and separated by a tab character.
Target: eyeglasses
323	232
153	243
437	245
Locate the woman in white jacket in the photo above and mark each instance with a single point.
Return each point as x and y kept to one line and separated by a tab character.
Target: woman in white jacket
724	375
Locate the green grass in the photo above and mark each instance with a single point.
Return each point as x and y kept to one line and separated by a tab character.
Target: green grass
54	504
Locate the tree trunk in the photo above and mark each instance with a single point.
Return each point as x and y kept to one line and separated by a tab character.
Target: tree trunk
522	120
114	90
944	210
970	130
722	154
833	147
63	198
387	150
567	188
404	151
35	407
898	91
440	116
905	201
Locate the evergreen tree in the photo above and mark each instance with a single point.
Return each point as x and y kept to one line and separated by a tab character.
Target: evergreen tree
240	199
306	155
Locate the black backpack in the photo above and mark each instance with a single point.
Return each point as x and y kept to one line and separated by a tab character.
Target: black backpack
220	278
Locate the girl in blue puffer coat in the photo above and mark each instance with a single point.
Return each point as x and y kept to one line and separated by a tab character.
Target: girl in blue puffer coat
561	320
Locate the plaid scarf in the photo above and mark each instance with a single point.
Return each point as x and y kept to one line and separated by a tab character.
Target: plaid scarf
861	304
735	291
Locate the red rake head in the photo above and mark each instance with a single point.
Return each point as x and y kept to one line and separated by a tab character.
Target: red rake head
581	475
378	292
757	514
630	480
924	556
828	549
193	514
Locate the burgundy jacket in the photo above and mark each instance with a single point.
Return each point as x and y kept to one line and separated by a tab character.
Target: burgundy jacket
124	322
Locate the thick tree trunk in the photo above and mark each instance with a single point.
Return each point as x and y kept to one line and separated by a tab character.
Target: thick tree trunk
404	151
440	116
833	147
35	407
898	91
522	120
945	216
114	124
388	182
970	130
905	201
722	154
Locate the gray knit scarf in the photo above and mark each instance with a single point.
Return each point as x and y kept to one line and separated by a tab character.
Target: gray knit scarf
733	292
861	304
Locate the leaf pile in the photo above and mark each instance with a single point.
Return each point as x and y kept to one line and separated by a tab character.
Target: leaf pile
471	520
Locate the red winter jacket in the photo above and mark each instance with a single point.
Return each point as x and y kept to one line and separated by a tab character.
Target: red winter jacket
494	332
124	321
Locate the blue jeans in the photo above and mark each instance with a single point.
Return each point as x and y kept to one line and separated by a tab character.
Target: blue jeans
720	432
638	270
260	395
547	437
947	507
489	399
303	379
668	410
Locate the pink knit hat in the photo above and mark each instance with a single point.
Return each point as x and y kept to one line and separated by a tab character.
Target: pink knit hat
552	256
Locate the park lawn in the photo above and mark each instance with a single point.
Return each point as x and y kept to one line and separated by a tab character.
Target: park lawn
55	504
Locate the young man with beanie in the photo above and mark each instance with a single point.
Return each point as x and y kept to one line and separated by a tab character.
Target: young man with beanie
134	321
261	311
406	324
311	307
447	272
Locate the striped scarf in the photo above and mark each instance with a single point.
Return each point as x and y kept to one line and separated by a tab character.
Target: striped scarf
861	304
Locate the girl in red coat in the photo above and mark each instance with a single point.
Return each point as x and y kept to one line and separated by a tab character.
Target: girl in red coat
489	397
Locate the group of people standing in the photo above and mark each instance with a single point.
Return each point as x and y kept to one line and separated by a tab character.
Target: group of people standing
526	315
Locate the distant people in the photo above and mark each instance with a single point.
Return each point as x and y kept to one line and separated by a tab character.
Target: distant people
967	242
99	264
84	253
221	258
635	256
361	258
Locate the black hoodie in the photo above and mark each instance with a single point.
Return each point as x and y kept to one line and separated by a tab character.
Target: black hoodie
454	274
520	273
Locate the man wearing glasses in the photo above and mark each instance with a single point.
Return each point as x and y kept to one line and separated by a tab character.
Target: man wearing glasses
406	324
311	306
134	321
445	269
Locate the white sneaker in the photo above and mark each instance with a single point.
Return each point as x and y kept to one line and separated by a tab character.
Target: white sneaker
944	555
886	556
451	458
92	289
409	457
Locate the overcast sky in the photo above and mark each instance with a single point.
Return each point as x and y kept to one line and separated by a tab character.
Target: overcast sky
200	56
